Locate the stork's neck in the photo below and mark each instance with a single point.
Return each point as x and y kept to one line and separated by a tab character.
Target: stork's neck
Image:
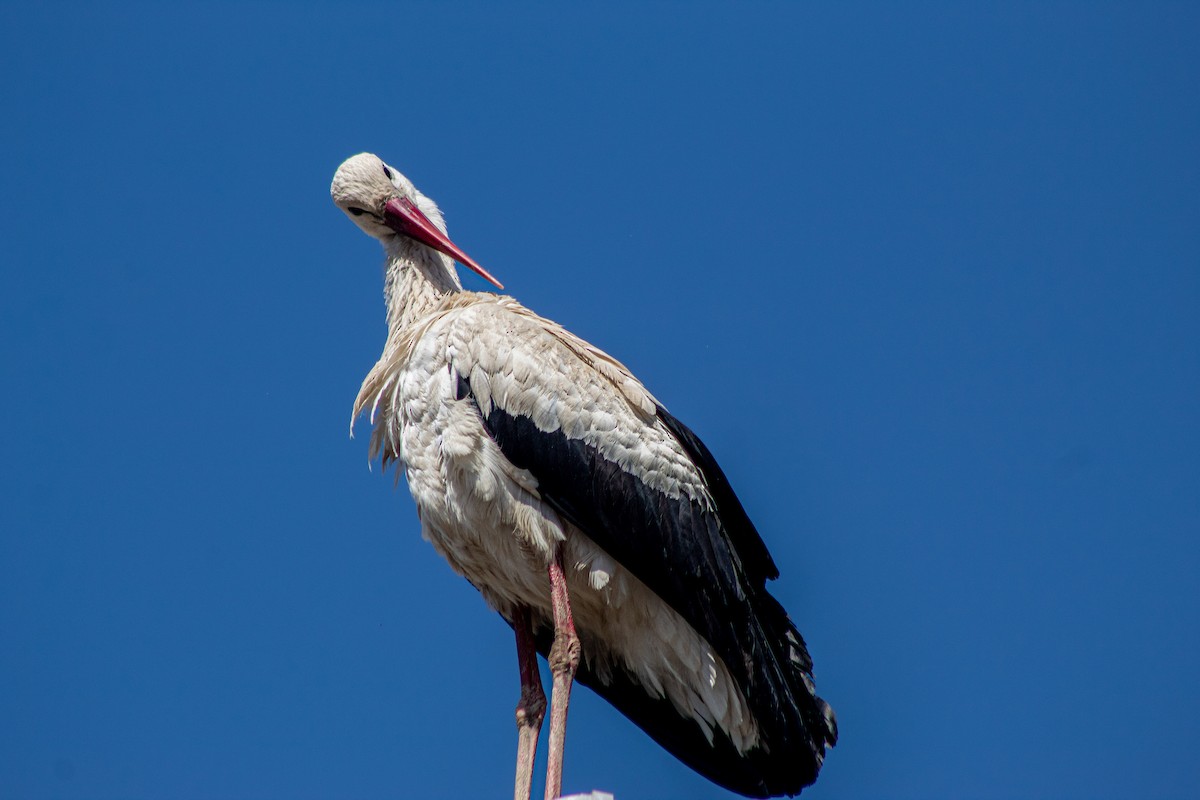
416	280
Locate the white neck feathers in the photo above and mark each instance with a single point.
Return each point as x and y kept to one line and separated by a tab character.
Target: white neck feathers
415	280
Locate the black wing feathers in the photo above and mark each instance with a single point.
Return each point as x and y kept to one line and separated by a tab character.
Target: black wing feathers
711	568
669	543
750	547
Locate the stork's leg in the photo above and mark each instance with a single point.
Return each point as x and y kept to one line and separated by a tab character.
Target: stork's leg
564	660
531	708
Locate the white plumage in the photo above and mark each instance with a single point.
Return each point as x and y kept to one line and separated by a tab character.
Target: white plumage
466	490
470	385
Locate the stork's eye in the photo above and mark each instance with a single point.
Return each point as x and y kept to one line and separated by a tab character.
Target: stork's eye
358	212
387	172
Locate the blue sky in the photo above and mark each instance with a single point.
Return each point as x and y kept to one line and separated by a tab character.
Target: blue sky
925	277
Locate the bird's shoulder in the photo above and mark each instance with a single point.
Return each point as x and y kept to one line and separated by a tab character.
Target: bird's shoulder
535	380
494	337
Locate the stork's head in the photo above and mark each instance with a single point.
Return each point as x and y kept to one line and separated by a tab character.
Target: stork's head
386	205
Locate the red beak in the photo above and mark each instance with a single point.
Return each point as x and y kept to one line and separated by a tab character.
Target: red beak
402	216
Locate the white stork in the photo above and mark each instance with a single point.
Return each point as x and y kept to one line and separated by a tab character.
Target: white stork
554	482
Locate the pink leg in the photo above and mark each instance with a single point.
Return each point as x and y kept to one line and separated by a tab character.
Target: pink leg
564	660
531	708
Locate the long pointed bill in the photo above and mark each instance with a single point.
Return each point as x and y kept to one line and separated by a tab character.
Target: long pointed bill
402	216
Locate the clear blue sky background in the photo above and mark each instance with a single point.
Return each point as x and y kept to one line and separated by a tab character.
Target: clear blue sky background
926	278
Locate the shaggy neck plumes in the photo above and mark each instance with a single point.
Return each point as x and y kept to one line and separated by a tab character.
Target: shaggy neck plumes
415	280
